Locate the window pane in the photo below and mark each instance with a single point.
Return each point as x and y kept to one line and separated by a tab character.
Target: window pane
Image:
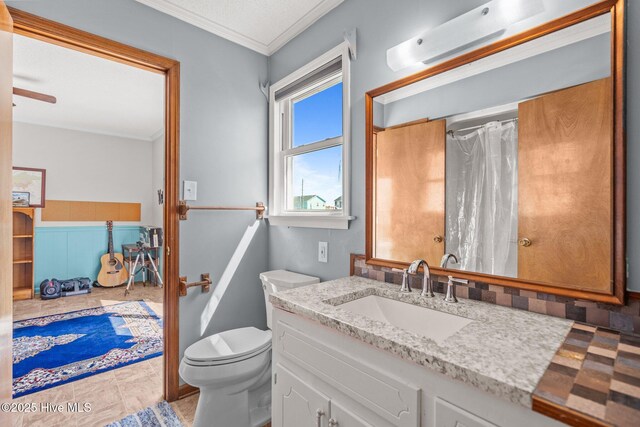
316	180
318	117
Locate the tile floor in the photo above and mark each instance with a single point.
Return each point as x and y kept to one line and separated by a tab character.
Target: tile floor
113	394
186	409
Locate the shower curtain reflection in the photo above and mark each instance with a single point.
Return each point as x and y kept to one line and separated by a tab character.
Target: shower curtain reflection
481	201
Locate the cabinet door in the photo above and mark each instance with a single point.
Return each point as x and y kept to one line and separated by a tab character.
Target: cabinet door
296	404
343	417
448	415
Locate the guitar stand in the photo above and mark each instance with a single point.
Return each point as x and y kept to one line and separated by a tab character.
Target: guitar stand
139	265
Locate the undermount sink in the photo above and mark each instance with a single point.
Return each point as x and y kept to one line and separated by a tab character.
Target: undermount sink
429	323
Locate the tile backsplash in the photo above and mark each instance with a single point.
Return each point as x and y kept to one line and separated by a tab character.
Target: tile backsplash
623	318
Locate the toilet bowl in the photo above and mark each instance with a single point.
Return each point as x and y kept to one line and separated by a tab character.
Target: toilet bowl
232	369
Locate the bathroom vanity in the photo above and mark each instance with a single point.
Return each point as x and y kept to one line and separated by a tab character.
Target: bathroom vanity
356	352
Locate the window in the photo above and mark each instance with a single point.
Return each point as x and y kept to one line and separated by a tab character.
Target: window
309	137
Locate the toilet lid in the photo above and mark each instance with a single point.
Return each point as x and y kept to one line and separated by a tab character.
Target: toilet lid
229	345
283	279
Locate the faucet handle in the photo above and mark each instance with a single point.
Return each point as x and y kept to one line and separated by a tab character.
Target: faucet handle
451	290
406	286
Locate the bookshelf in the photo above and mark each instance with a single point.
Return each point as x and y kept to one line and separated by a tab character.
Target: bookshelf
23	233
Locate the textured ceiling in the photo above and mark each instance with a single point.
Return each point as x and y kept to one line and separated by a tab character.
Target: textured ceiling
94	94
261	25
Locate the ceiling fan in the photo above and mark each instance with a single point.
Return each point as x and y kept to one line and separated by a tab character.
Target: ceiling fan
34	95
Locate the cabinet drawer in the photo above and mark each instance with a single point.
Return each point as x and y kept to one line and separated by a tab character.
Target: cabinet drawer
448	415
344	417
381	392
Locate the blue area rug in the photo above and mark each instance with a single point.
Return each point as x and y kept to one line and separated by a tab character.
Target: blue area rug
160	415
53	350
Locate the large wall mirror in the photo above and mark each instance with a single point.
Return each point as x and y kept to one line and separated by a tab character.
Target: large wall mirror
510	157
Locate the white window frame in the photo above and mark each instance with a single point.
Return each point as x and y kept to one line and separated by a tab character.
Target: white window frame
279	150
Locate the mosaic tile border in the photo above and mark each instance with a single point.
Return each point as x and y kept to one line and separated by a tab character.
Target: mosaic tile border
622	318
596	371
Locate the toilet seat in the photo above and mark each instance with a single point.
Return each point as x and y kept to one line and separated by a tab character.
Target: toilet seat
228	347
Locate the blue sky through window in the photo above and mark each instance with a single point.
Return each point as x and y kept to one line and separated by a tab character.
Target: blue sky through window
317	118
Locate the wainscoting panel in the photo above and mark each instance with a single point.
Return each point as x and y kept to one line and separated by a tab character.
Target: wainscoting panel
62	210
68	252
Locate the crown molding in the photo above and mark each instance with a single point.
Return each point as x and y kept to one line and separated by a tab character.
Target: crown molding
205	24
302	24
220	30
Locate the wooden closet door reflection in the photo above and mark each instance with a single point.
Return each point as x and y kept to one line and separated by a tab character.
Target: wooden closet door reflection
565	177
409	196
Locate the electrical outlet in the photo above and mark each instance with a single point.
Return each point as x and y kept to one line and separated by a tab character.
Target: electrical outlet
190	190
323	251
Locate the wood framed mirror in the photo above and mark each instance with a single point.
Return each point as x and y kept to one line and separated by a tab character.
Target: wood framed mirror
511	157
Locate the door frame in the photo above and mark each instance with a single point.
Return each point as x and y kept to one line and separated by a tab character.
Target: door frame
33	26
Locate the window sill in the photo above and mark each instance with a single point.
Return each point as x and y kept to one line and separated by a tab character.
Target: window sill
304	221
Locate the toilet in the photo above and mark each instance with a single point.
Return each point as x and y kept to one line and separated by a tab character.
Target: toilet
232	369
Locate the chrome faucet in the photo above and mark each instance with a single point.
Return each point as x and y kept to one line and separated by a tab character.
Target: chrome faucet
446	258
451	286
427	290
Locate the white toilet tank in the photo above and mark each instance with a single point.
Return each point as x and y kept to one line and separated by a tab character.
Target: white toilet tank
280	280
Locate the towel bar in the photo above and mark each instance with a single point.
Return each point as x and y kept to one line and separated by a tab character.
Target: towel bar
205	282
183	208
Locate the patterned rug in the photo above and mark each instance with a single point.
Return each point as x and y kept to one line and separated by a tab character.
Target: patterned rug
53	350
160	415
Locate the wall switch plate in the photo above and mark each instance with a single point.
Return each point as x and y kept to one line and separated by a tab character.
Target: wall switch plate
190	190
323	251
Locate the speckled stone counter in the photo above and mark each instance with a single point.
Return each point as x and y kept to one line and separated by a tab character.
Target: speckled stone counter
503	351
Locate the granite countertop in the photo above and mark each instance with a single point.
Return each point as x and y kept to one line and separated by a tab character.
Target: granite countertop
503	351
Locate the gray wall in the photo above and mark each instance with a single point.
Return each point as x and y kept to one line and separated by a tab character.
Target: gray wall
228	158
382	24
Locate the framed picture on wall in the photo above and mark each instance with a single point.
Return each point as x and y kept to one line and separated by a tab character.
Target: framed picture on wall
21	199
32	181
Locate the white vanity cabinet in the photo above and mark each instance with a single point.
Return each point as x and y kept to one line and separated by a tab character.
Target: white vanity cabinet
298	404
324	378
311	375
295	403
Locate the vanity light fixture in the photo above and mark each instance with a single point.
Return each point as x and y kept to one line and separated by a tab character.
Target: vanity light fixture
480	24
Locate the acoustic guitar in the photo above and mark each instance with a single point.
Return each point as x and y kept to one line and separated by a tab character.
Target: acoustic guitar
112	273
